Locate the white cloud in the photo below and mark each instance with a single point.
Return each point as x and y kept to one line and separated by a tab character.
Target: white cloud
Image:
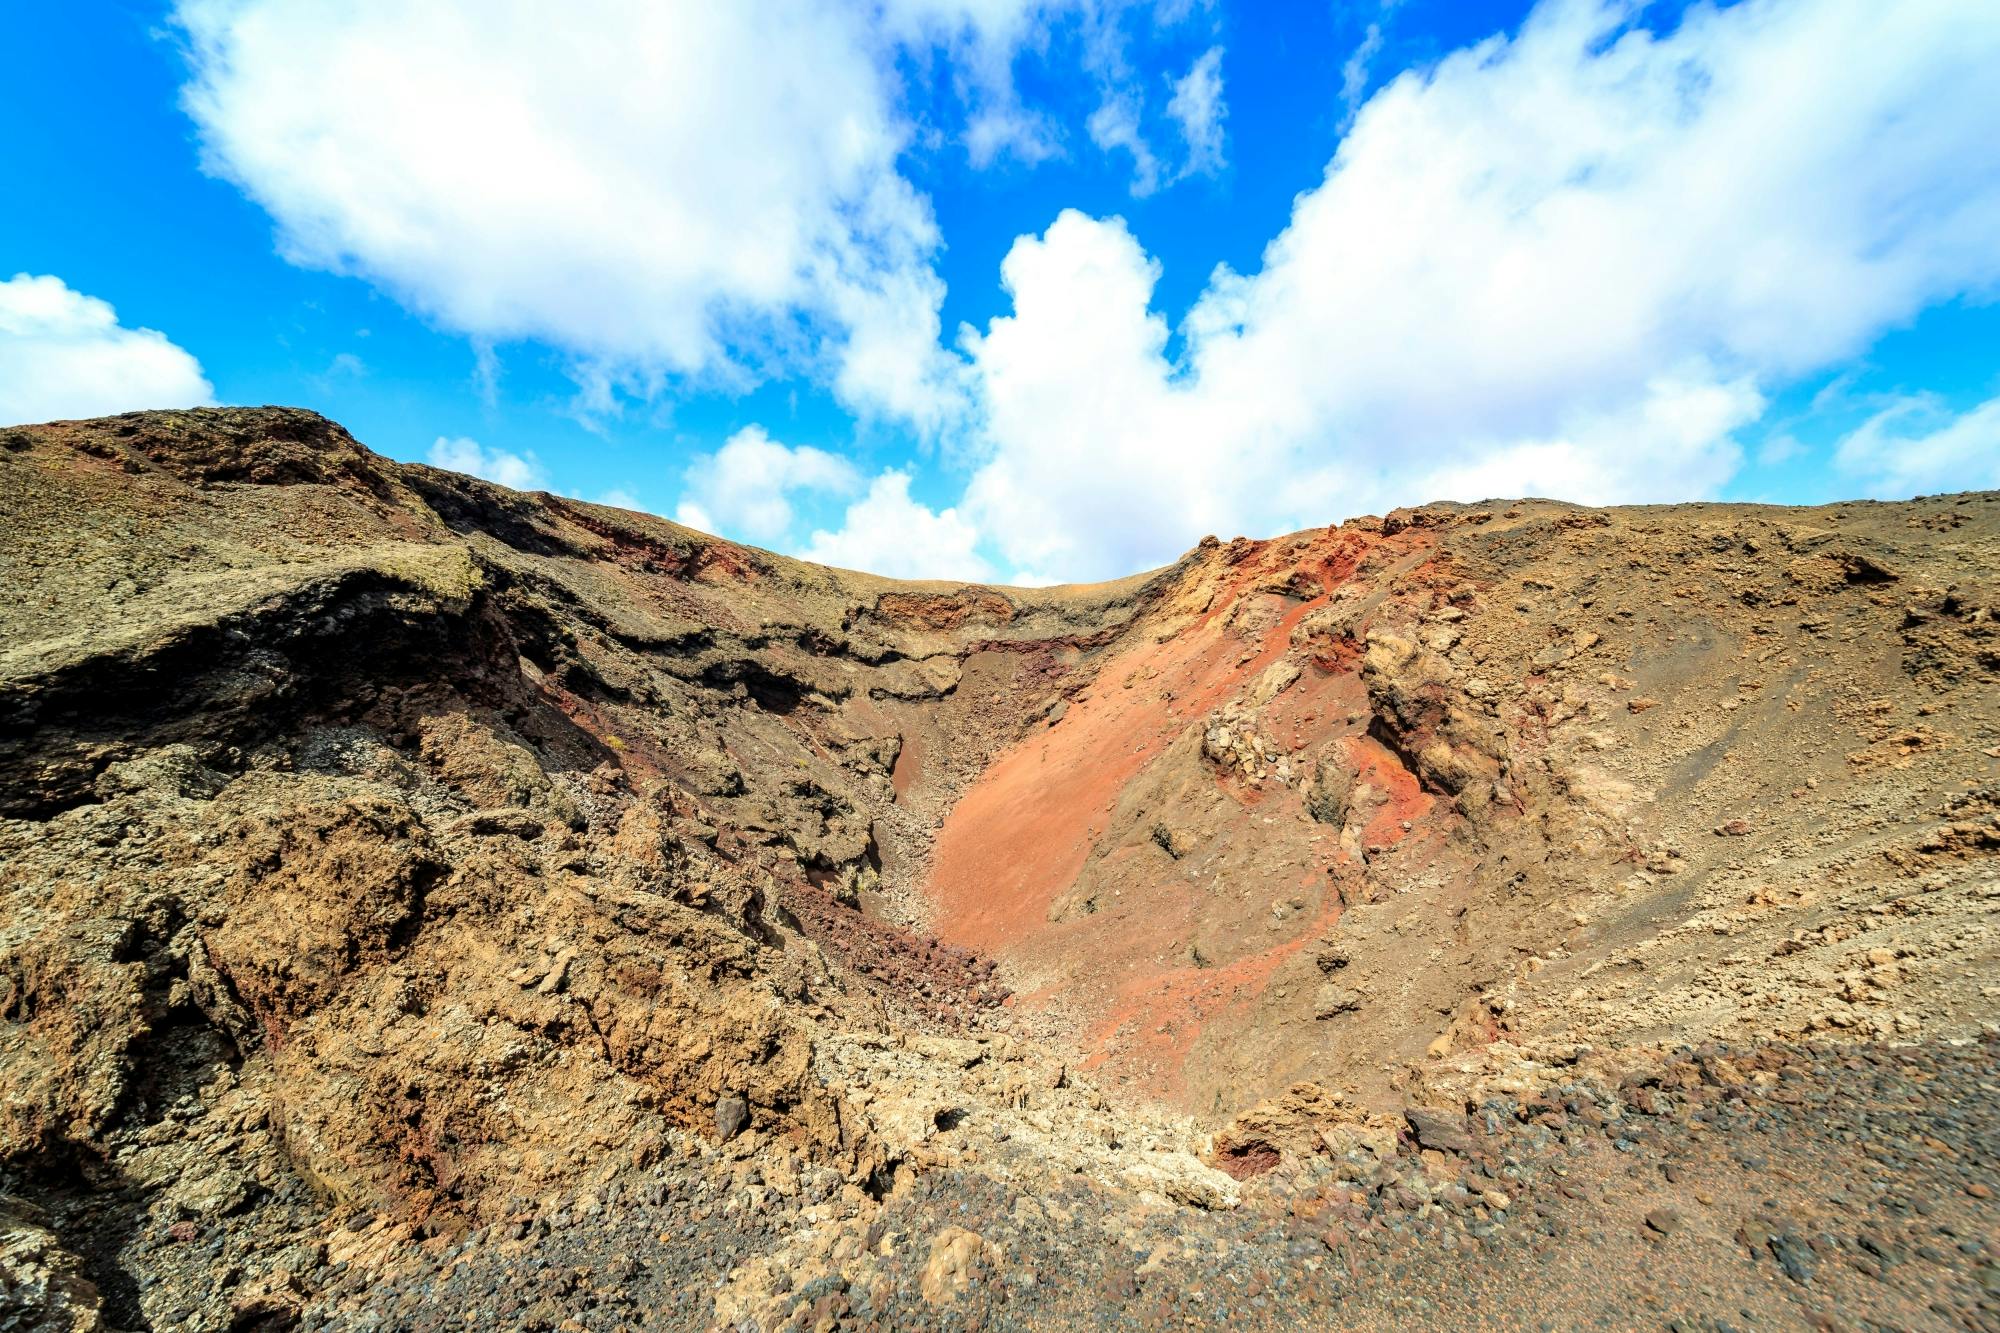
65	355
980	39
1576	261
1917	444
522	472
344	367
660	189
1573	262
1011	131
669	191
486	372
620	498
1779	449
1354	73
1680	427
1198	106
691	515
744	489
886	532
1114	127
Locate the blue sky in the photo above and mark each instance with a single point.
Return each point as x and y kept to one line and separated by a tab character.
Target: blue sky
933	286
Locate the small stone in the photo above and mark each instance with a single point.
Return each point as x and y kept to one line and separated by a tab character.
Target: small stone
1172	840
1666	1221
1979	1191
558	974
1330	1001
732	1113
1439	1129
958	1259
1793	1255
1879	1246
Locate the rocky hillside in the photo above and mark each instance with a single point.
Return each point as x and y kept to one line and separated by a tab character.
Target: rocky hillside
423	899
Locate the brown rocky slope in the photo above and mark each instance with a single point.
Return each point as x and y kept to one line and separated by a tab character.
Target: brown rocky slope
401	873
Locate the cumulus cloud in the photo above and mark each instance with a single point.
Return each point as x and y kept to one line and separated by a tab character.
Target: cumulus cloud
513	174
1680	427
1198	107
523	472
671	192
887	532
1574	261
1917	444
744	489
64	354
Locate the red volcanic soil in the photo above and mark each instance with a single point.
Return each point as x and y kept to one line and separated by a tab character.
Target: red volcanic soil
1158	952
1023	831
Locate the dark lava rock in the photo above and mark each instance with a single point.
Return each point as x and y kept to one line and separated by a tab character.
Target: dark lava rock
1793	1255
732	1113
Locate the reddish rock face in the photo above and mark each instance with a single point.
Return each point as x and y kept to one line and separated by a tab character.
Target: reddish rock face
1131	939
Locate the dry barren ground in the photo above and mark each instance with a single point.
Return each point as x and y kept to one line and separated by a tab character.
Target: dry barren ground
432	906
